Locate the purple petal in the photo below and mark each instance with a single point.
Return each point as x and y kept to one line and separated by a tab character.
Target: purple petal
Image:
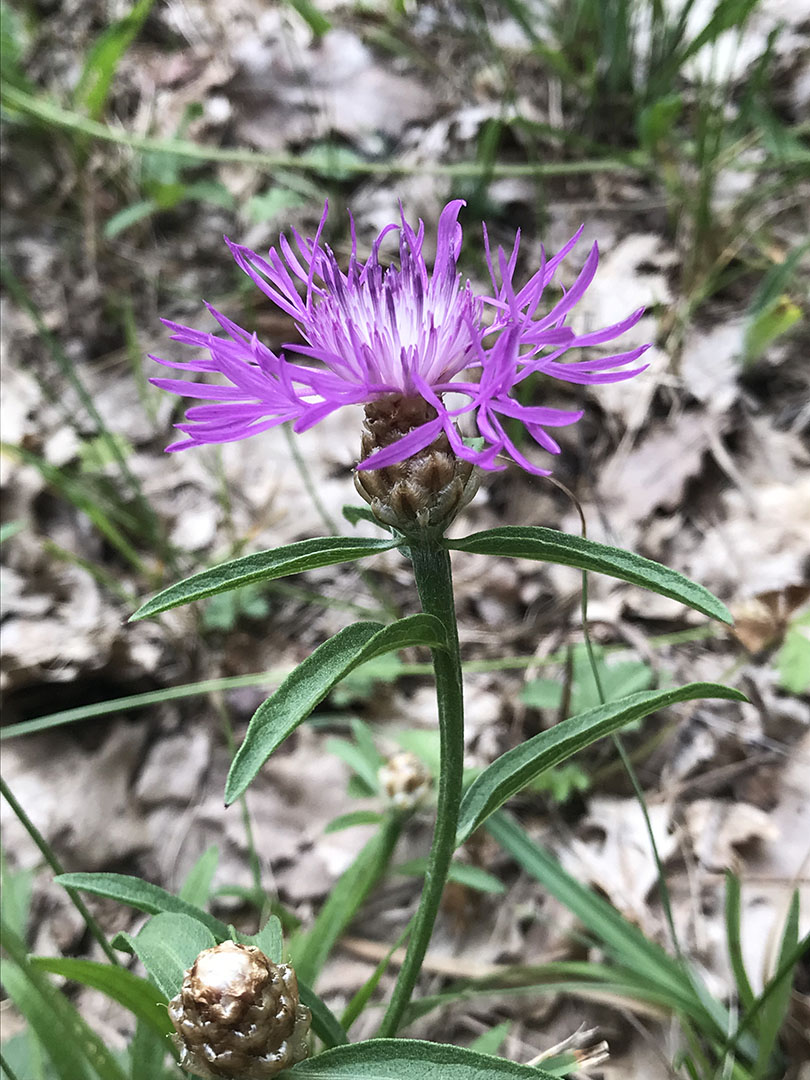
405	447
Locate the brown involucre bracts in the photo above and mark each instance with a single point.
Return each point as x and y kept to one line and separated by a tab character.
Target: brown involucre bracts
423	494
238	1015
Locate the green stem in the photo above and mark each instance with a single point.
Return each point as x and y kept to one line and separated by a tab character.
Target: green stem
52	114
52	861
434	582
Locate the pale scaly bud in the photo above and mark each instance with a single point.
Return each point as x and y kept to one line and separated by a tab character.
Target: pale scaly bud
238	1015
406	780
423	493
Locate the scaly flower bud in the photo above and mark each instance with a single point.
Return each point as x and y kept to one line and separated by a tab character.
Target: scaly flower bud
424	492
406	780
238	1015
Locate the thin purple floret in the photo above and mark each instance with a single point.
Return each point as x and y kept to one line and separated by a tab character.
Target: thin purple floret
374	330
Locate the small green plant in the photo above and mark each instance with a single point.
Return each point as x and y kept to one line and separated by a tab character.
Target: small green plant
614	69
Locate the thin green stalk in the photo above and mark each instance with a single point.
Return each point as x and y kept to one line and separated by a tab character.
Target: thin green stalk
306	479
434	581
363	995
312	490
52	114
52	861
247	824
274	676
631	773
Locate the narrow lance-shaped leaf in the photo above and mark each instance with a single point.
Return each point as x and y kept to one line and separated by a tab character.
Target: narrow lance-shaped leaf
136	994
269	939
75	1050
622	939
312	680
263	566
408	1059
549	545
142	895
512	771
167	946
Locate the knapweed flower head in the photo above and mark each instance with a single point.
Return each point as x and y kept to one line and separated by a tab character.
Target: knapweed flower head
418	347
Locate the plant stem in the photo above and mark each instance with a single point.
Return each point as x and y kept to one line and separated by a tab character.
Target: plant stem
431	567
50	857
631	774
52	114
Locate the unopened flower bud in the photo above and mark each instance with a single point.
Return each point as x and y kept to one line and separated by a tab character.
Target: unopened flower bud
238	1015
406	780
426	491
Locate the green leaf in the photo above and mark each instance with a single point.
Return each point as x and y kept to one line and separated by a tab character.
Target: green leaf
353	514
462	873
353	756
13	46
265	205
196	889
16	887
23	1054
102	60
129	216
147	1055
407	1059
619	678
142	895
646	962
512	771
657	121
9	529
312	680
356	817
324	1022
490	1042
745	991
360	686
210	191
774	1012
263	566
75	1050
269	939
312	16
134	993
561	782
568	550
727	15
793	659
333	161
763	329
167	946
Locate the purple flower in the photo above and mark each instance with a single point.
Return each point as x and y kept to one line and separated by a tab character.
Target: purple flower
375	331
